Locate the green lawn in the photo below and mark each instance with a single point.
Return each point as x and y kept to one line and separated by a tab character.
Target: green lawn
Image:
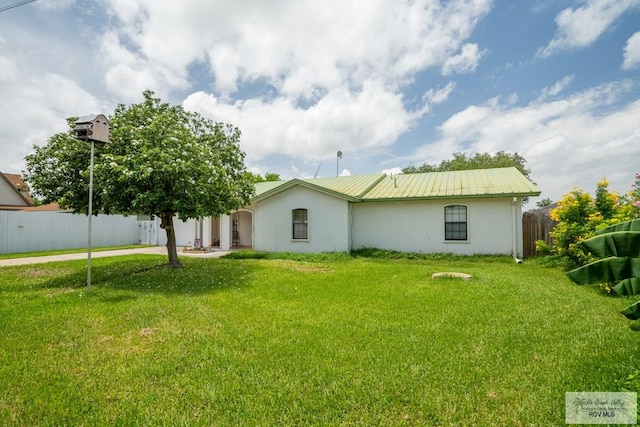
330	340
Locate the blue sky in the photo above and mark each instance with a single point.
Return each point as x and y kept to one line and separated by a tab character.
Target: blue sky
389	83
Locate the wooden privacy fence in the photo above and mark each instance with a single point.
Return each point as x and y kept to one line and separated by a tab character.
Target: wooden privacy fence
536	225
43	231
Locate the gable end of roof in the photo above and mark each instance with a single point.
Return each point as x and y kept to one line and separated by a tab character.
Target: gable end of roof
19	186
285	185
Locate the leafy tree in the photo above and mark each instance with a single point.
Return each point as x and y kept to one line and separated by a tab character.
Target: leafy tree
162	161
544	203
59	171
461	161
269	176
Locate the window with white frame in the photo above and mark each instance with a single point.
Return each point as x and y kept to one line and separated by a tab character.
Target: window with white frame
455	223
300	224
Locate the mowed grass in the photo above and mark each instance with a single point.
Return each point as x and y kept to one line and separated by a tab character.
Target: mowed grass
330	340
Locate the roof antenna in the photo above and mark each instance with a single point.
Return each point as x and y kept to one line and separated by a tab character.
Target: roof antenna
317	170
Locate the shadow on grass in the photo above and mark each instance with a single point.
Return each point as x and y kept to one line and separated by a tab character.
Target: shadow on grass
146	274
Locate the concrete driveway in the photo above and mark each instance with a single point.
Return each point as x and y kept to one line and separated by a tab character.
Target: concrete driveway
153	250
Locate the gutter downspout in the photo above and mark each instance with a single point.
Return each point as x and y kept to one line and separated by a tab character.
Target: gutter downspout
514	231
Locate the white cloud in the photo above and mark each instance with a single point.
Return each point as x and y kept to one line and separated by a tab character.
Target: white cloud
466	123
368	120
38	108
570	142
303	79
392	171
54	4
128	83
557	87
303	48
465	62
580	27
8	69
438	96
320	76
632	52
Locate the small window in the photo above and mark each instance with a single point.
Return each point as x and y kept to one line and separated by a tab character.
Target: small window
300	224
455	222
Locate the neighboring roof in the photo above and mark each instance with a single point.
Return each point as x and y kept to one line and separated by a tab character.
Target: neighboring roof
51	207
19	186
501	182
11	208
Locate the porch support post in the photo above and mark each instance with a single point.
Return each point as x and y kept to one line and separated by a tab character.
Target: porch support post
225	232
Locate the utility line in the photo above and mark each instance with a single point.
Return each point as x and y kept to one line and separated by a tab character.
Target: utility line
11	6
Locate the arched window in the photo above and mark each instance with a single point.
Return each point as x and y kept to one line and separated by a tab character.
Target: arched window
455	222
300	224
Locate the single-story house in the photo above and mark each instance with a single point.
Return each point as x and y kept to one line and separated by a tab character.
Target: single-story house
462	212
14	192
15	196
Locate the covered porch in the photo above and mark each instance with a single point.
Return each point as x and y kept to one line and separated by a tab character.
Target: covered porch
234	231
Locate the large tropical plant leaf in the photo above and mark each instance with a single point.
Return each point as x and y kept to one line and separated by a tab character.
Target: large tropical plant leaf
615	244
627	287
632	225
632	312
635	325
612	269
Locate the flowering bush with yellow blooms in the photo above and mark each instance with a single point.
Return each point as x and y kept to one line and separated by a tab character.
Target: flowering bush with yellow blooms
578	215
634	194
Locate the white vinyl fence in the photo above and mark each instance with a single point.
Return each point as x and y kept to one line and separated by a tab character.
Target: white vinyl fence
43	231
148	232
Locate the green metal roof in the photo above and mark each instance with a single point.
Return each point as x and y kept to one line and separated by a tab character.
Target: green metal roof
471	183
353	186
468	183
265	186
348	187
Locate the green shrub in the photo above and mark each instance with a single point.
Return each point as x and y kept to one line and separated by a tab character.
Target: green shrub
579	216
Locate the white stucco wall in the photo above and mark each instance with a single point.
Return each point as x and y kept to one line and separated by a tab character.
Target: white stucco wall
328	222
418	226
245	224
335	225
186	232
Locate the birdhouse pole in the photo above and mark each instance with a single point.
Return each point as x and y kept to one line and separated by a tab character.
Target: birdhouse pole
89	231
93	128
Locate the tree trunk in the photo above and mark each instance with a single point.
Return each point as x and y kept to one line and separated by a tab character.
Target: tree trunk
172	251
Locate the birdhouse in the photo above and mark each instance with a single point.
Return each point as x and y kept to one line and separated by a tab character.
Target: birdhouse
94	127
